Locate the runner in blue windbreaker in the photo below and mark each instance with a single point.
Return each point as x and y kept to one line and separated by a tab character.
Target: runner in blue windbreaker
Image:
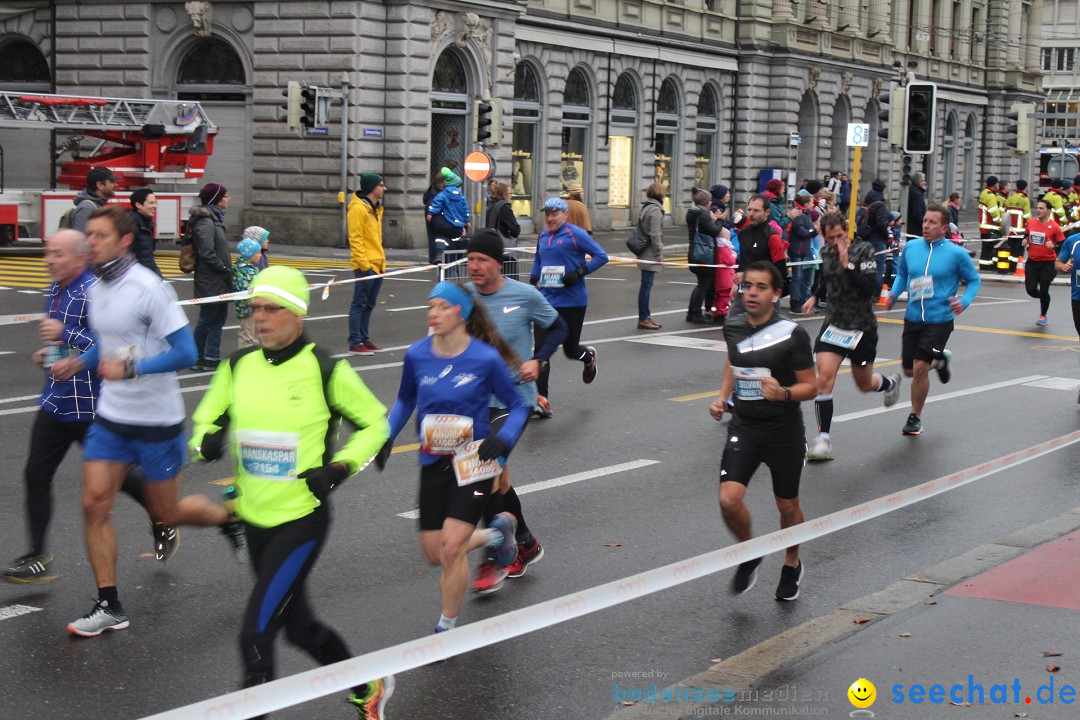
930	269
559	270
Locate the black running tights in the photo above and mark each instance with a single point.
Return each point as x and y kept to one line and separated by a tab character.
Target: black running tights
49	443
1038	275
572	347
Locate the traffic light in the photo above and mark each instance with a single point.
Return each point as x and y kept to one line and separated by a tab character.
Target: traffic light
906	163
919	118
891	114
309	97
484	110
292	105
1019	131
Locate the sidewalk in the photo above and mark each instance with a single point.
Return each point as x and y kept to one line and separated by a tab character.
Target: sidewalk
987	634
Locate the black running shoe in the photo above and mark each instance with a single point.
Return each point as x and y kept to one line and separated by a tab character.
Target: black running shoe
166	540
790	577
234	531
30	568
944	372
913	426
745	576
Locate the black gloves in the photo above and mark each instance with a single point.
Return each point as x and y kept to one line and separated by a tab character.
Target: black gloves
573	276
213	445
384	455
534	280
321	480
492	447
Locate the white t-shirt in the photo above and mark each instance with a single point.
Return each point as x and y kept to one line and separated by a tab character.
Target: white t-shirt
132	317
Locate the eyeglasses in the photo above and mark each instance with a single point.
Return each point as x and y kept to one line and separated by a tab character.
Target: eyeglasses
268	309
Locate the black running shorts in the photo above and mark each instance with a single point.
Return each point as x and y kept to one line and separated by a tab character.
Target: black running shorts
924	341
441	498
862	354
746	449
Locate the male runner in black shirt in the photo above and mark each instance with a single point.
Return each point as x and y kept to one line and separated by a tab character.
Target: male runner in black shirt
771	370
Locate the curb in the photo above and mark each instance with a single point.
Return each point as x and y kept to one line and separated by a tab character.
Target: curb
743	671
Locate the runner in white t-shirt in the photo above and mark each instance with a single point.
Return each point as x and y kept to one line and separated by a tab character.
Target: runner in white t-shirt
142	338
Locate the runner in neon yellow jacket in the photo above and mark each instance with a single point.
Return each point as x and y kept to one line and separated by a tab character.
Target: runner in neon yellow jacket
280	404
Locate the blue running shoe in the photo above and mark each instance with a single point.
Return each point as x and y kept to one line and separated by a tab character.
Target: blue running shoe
506	553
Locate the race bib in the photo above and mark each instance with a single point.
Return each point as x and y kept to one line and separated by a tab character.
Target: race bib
444	434
551	276
748	382
1037	238
55	352
846	339
921	288
268	455
469	468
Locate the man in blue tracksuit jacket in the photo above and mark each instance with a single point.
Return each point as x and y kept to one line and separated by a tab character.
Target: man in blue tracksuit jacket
559	269
930	269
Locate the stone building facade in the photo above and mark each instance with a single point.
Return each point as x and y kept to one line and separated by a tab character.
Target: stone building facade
614	94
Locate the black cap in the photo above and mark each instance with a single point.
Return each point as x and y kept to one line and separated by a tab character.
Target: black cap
488	242
100	174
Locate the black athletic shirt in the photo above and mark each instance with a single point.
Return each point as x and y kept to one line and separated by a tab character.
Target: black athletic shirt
781	347
850	291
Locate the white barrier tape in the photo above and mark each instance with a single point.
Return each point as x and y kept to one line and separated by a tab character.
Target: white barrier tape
244	294
24	318
406	656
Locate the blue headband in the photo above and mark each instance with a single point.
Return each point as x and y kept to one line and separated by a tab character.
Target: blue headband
455	295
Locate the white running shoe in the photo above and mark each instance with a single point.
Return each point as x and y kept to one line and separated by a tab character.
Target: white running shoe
820	450
891	396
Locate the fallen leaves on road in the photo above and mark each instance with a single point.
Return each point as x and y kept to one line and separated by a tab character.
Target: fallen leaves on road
1020	715
629	702
905	634
612	544
716	660
930	602
861	621
1052	667
1051	653
960	704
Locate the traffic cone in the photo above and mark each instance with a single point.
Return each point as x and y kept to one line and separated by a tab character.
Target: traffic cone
1019	269
883	298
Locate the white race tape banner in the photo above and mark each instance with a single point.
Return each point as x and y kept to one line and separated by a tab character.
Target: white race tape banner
25	318
342	676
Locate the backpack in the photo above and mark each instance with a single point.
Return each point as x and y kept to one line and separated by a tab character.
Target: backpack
188	256
66	218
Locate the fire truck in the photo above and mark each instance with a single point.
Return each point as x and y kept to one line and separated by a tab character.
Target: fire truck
1058	163
148	143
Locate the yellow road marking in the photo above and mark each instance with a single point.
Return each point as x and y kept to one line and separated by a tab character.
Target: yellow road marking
713	393
993	331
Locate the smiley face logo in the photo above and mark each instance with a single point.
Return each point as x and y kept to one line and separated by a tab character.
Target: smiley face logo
862	693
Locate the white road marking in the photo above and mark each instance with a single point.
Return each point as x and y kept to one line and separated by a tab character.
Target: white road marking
564	480
1055	383
938	398
682	342
680	282
414	307
20	398
9	611
32	292
7	352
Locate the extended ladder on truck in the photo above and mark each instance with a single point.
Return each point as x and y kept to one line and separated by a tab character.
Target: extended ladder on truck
152	140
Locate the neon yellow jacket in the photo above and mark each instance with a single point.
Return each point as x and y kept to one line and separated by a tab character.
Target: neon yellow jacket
365	235
1057	206
990	210
283	419
1017	213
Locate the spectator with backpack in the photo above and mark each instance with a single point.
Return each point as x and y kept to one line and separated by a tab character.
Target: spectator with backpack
872	225
774	194
702	224
801	233
500	214
100	187
213	272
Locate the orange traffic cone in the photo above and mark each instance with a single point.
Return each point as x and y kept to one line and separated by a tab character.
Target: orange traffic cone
883	297
1019	269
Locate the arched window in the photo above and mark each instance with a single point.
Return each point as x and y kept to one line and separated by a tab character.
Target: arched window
211	62
525	85
577	90
708	122
450	74
625	97
667	101
524	150
22	62
576	132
